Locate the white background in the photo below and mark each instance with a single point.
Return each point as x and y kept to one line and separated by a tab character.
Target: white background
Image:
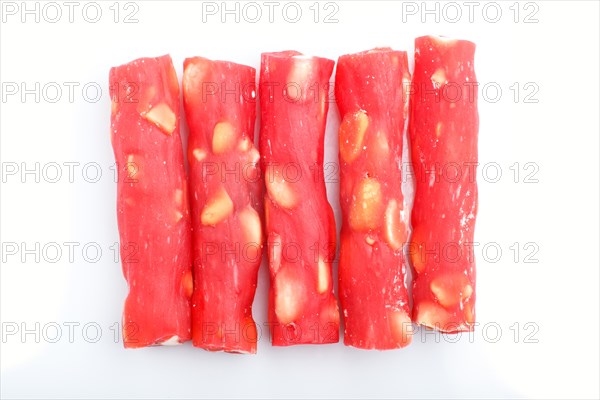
559	133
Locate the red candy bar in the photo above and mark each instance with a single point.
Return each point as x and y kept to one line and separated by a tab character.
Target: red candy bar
443	132
370	91
299	220
152	204
225	186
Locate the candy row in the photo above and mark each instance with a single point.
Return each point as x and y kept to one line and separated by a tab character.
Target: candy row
200	235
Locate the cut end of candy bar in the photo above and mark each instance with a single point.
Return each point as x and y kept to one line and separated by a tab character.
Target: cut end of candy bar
442	44
172	341
438	318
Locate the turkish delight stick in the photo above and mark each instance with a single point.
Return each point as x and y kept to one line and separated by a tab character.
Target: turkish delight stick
299	220
152	206
226	195
443	131
371	90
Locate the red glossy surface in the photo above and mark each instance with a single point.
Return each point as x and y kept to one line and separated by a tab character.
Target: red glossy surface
225	191
371	90
443	133
152	206
299	220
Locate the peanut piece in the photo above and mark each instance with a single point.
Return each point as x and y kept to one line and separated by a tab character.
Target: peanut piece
245	144
406	87
289	296
217	208
280	191
432	315
178	215
323	276
381	148
400	327
188	283
395	232
162	116
438	78
223	137
172	341
274	252
199	154
253	155
133	167
251	225
114	106
145	100
297	78
451	289
351	135
178	197
438	129
366	210
252	233
193	73
417	252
